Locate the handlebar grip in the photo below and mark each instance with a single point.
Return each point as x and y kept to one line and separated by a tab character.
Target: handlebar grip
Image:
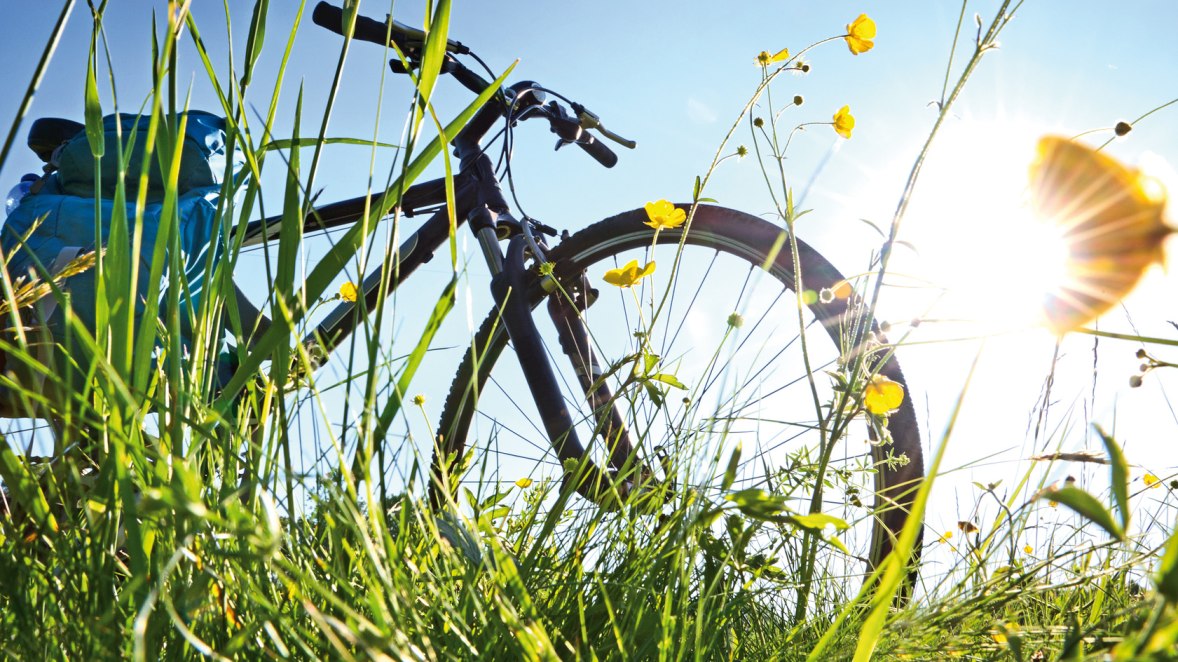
367	29
600	153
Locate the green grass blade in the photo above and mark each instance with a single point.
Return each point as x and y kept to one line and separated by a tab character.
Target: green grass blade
442	308
93	106
312	142
38	75
342	252
21	484
255	40
1167	576
433	56
895	566
1085	505
1119	470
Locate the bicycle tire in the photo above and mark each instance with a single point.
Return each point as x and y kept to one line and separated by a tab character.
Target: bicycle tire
731	233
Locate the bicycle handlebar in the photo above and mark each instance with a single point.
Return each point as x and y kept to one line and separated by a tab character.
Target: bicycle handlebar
410	42
371	30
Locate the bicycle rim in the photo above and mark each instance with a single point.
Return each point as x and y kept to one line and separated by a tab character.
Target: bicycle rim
729	369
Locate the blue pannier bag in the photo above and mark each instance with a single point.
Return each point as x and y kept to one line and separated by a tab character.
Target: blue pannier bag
55	222
202	157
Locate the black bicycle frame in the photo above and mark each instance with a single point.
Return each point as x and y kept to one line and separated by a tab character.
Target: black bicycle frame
479	202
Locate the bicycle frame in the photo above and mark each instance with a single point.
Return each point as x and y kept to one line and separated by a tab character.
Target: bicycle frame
479	203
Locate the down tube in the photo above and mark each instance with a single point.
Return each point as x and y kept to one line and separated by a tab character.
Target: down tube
415	251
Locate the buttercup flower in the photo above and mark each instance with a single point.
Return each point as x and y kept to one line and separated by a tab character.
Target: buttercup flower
523	483
882	395
844	122
628	275
1151	480
348	292
1028	549
765	59
1110	219
860	34
663	215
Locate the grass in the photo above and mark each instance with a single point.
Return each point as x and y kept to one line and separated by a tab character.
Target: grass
177	518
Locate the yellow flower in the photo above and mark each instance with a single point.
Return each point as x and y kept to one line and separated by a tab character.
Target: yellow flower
948	535
882	395
628	275
764	59
1151	481
348	291
523	483
1110	219
1053	504
419	399
1028	549
663	215
860	33
844	122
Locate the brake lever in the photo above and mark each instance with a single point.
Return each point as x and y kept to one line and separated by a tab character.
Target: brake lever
567	128
589	120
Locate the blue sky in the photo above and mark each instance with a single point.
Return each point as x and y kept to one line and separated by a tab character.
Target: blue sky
674	75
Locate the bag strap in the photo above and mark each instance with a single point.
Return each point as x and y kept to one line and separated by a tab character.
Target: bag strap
64	257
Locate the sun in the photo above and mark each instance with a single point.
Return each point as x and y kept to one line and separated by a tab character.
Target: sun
989	262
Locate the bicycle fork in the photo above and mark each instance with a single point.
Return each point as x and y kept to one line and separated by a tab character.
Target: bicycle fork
509	289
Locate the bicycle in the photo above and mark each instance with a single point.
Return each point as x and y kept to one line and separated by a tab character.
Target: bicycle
626	404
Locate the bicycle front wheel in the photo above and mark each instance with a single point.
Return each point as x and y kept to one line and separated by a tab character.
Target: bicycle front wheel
709	350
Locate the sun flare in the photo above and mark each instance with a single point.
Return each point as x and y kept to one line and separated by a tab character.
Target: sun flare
981	249
1015	230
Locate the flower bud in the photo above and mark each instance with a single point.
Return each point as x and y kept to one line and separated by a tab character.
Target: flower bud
758	122
1141	354
1122	128
1135	381
798	100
